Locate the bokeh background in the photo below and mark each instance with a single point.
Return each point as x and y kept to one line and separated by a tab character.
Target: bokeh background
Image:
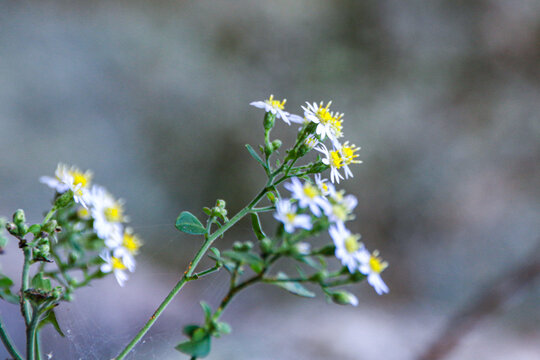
442	96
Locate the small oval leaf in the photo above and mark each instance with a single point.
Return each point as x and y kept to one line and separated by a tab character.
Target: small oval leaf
188	223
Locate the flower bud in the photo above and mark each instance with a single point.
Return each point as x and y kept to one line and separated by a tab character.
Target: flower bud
266	245
276	144
64	200
342	297
221	203
12	228
50	226
3	243
19	217
269	121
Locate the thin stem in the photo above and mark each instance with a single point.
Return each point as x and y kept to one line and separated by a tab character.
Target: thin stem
10	347
49	215
25	284
187	275
263	209
204	273
31	331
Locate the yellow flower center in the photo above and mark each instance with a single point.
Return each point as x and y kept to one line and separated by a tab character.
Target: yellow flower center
349	154
376	263
340	212
291	217
131	243
351	243
117	263
83	213
114	213
80	178
336	160
327	117
276	103
310	191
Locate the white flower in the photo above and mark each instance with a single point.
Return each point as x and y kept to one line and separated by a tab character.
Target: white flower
329	123
276	107
72	179
125	246
307	196
347	246
114	264
286	213
108	213
338	158
372	265
342	207
324	188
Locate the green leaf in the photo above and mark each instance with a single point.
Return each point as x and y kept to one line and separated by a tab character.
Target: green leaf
5	282
8	296
41	283
51	319
293	287
188	330
207	311
255	156
196	348
256	224
34	229
188	223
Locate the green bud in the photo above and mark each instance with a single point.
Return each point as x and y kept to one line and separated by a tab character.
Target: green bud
320	276
19	217
266	245
68	296
50	227
22	229
35	229
243	247
272	197
64	200
57	292
221	203
276	144
342	297
269	121
12	228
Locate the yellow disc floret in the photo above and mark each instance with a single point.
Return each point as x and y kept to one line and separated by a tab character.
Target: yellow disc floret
329	118
114	213
310	191
348	154
376	264
117	264
131	242
352	244
276	103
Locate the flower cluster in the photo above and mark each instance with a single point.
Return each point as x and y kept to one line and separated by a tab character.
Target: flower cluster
312	200
319	198
106	214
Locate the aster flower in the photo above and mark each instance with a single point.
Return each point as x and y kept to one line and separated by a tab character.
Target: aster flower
347	246
307	195
372	265
71	178
328	123
324	188
339	158
108	213
115	265
125	246
277	107
286	213
342	207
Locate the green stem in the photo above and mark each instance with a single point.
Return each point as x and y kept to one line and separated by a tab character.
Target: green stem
204	273
8	343
188	274
38	347
31	331
49	215
25	284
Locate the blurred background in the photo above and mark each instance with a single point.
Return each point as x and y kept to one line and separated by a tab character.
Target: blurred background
442	96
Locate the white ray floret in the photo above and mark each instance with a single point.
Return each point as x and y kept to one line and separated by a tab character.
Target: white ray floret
286	213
